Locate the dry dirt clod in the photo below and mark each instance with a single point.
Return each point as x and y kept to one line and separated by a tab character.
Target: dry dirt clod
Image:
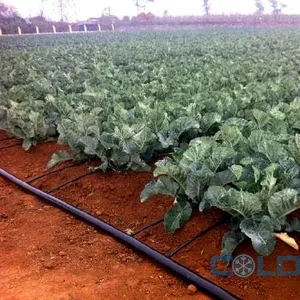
49	264
92	241
99	212
140	260
3	215
191	289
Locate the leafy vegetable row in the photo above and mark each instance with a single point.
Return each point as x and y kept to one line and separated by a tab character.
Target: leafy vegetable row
224	103
249	169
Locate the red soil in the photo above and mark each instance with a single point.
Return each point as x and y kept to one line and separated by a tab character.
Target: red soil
47	254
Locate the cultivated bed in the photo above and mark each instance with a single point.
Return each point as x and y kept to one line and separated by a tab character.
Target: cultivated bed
217	111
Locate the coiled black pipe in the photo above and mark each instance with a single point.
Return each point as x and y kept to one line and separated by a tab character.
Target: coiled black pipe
177	268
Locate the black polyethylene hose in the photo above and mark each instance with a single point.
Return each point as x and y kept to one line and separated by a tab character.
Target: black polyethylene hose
7	139
184	272
54	171
154	223
10	146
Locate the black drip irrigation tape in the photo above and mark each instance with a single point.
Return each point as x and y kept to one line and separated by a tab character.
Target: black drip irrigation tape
172	265
198	235
10	146
148	226
54	171
69	182
7	139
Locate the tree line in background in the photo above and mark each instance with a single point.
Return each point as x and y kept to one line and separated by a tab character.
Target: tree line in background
64	5
10	19
276	6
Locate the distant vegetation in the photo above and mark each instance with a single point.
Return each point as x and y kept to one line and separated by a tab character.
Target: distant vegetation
10	19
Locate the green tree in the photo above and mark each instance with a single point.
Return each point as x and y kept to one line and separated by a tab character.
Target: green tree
107	11
10	18
275	8
42	8
141	4
259	7
283	5
8	11
206	6
65	7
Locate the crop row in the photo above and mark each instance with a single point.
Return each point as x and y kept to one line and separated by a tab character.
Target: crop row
225	106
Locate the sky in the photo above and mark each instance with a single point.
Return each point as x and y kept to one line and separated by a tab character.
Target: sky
84	9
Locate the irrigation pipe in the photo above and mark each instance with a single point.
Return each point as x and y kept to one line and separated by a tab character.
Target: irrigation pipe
198	235
177	268
7	139
10	146
154	223
54	171
69	182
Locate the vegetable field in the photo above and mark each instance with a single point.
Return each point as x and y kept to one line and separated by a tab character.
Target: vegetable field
213	114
